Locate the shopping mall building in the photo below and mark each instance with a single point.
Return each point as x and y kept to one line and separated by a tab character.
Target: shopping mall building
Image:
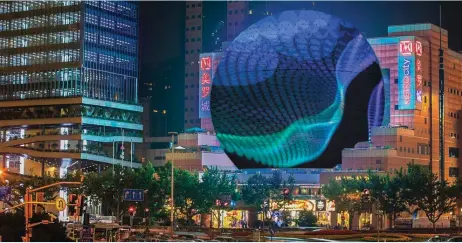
409	58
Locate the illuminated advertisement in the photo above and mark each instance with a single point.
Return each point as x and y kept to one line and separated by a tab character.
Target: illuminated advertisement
330	206
418	76
406	74
279	102
299	205
320	205
208	63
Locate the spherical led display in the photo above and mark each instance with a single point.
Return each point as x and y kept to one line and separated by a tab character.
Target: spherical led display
279	92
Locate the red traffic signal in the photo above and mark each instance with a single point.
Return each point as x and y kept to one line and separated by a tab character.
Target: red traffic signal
131	209
146	210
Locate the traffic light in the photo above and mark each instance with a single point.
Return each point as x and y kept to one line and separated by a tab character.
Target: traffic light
286	193
71	201
131	210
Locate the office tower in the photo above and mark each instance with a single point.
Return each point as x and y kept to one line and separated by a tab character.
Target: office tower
68	85
193	47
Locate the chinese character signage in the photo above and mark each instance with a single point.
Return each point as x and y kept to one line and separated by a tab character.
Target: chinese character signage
208	65
418	76
406	75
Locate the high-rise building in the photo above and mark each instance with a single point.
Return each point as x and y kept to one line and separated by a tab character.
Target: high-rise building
410	53
193	47
237	12
68	85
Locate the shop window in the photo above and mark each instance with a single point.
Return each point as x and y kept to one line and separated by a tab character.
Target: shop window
453	152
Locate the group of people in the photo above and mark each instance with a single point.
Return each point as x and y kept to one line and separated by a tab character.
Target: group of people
242	223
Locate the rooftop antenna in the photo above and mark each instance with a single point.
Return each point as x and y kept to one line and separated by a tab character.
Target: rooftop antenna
441	104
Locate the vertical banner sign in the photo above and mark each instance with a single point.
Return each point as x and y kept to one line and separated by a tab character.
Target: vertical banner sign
205	85
418	77
406	75
207	68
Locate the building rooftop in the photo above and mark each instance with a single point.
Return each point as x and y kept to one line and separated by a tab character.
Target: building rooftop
415	27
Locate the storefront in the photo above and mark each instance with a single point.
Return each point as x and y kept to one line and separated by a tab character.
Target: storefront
230	219
322	209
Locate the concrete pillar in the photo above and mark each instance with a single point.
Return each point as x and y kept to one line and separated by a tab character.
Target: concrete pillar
355	223
333	219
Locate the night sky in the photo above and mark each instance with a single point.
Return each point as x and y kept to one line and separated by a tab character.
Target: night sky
162	23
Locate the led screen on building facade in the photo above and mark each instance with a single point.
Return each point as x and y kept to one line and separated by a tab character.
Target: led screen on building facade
406	74
293	90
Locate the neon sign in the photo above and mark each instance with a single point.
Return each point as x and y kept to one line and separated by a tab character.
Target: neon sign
206	63
418	67
405	48
208	66
406	75
418	48
205	79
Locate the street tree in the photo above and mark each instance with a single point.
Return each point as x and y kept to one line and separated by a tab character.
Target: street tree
387	193
429	194
306	219
186	194
346	194
107	188
156	182
266	193
216	185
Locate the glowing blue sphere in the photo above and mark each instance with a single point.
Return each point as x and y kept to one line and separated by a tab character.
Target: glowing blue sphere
278	95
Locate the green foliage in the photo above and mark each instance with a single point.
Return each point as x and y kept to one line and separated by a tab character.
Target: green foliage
428	193
306	219
388	191
346	194
260	189
412	190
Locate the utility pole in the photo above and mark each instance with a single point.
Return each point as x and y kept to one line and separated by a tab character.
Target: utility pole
172	190
441	104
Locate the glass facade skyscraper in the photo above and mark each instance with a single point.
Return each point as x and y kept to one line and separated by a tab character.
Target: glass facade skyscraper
68	84
69	48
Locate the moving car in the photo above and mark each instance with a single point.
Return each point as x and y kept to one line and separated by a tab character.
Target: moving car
455	239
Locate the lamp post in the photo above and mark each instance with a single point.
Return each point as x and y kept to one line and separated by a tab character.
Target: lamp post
172	190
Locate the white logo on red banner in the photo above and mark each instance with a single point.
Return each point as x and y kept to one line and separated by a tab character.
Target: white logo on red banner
405	48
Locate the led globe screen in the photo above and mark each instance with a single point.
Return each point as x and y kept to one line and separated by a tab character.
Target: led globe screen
294	89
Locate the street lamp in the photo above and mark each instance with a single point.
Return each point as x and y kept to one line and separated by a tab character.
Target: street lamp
172	204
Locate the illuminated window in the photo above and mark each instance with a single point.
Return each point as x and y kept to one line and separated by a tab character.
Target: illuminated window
90	56
92	3
107	23
106	40
90	18
91	37
108	5
4	7
453	152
